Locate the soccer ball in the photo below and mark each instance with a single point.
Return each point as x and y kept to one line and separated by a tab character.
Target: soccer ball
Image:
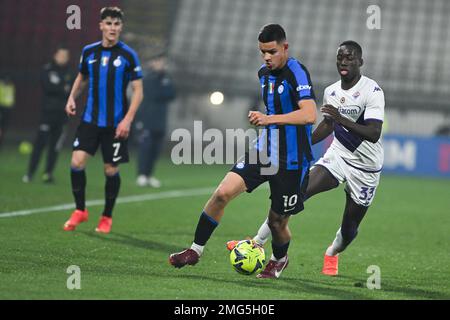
247	257
25	147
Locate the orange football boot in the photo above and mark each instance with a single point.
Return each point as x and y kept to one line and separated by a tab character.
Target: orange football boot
232	243
77	217
104	225
330	265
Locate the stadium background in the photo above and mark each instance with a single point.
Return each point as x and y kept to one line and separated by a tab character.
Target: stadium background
212	46
214	43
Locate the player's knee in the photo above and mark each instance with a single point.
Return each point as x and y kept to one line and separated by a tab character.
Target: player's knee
78	163
111	170
222	196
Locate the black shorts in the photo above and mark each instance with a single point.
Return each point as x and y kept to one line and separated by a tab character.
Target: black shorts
89	137
287	187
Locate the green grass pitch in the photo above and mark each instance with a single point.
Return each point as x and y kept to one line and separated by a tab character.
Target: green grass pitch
405	233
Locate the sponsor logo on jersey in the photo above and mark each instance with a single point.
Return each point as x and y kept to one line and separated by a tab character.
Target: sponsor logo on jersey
333	94
76	143
352	110
303	87
376	89
356	94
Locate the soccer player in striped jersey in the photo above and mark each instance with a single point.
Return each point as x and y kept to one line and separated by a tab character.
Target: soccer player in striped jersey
107	67
354	109
291	110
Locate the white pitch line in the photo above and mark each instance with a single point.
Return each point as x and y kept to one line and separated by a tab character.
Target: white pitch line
128	199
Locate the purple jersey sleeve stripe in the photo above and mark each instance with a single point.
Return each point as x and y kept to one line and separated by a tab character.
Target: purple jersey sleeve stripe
373	119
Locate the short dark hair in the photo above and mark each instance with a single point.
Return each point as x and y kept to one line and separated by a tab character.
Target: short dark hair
272	32
353	44
112	12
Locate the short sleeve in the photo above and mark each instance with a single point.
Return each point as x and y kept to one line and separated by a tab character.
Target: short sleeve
324	100
135	67
375	105
82	67
300	81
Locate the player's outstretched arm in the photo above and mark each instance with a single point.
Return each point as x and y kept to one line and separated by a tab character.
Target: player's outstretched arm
123	129
78	86
371	131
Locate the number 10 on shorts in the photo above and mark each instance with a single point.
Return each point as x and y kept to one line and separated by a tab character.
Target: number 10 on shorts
290	201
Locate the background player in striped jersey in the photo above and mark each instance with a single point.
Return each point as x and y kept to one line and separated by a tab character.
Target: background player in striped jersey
354	109
291	110
107	66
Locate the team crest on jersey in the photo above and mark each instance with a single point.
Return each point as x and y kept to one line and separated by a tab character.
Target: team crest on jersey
342	99
280	89
117	62
356	94
240	165
105	61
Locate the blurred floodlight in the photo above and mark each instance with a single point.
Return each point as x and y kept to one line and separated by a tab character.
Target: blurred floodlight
216	98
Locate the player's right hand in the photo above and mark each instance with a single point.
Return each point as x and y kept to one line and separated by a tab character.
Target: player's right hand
327	115
71	107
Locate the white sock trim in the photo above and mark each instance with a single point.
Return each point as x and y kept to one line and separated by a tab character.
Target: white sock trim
278	260
197	248
336	246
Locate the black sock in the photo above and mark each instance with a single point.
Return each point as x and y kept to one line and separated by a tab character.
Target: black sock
112	187
280	251
78	178
205	228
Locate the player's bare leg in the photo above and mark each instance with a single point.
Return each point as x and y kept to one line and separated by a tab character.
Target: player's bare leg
78	178
281	237
230	187
320	180
353	215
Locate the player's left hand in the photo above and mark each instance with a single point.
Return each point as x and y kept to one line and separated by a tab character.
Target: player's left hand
257	118
123	129
330	111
